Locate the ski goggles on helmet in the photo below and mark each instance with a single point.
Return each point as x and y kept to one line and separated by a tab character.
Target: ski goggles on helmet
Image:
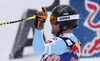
55	19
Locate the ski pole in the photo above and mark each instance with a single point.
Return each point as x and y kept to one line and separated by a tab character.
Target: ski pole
33	17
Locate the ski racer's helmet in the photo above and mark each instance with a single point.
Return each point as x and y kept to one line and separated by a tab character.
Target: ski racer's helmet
66	15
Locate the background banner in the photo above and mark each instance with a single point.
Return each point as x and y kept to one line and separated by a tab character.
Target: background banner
88	30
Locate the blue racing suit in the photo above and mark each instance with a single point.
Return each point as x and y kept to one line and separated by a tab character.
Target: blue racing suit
66	47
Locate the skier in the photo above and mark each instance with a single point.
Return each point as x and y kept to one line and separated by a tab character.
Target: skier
65	46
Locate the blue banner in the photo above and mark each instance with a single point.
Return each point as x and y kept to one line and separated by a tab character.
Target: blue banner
88	30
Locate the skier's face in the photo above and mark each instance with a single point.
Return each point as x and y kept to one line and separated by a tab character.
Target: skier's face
55	29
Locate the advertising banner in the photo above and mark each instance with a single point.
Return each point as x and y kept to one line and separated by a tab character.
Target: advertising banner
88	31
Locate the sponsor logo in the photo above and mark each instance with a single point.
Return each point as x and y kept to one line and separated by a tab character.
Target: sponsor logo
92	47
64	18
88	31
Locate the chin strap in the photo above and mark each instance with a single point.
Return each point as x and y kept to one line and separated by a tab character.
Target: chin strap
60	31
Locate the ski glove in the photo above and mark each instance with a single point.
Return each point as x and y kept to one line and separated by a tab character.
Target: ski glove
41	18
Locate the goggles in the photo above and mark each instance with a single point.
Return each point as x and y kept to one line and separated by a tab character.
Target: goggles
55	19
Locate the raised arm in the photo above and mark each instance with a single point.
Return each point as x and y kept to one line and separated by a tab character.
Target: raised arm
56	47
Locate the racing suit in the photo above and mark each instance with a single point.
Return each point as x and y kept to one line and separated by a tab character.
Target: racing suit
66	47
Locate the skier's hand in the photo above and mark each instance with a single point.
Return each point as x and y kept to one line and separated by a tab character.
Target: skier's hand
41	18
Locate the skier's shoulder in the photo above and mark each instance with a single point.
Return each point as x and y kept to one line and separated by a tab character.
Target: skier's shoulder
54	39
70	37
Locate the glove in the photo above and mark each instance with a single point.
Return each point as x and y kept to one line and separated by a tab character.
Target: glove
41	18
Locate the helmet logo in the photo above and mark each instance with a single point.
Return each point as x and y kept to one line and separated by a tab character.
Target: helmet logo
61	9
65	13
66	18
